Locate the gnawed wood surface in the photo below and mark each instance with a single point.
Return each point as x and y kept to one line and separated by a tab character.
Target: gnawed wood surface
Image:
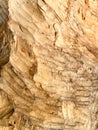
49	80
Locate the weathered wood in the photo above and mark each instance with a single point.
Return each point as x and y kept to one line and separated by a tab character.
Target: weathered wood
50	78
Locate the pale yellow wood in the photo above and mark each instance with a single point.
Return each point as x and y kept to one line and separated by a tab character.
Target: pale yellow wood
48	64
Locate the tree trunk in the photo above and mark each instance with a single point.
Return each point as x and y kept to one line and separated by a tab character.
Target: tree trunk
48	65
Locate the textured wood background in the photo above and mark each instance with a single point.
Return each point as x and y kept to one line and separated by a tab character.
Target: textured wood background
49	65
